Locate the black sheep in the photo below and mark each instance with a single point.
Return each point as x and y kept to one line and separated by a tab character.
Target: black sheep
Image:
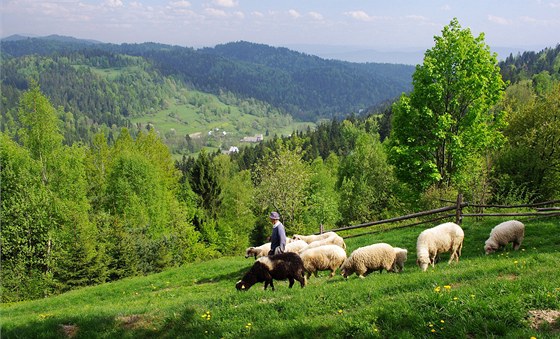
279	267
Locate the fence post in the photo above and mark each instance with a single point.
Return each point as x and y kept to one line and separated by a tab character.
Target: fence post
321	229
459	209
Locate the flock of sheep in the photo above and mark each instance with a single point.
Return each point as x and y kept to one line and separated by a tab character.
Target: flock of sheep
307	254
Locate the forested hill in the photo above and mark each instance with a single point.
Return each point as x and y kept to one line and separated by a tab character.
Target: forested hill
528	64
307	87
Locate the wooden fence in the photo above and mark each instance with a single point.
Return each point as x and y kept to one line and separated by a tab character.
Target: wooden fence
457	208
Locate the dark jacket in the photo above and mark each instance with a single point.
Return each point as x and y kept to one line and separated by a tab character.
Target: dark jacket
278	239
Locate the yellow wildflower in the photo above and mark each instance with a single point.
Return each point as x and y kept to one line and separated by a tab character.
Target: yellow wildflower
447	287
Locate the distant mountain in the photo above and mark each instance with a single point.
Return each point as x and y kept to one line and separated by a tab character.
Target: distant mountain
53	37
306	86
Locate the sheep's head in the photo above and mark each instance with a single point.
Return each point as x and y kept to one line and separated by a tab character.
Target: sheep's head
423	264
296	237
490	247
249	252
241	286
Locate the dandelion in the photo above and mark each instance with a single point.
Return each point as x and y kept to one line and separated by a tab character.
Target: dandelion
472	296
248	326
447	287
455	298
437	289
515	262
442	321
206	315
339	311
431	325
533	337
433	331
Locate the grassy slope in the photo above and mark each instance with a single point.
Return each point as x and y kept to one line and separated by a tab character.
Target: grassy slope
486	296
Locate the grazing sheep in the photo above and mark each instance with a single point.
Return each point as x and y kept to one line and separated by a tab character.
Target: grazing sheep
279	267
295	246
369	258
322	258
259	251
447	237
314	237
509	231
331	240
400	258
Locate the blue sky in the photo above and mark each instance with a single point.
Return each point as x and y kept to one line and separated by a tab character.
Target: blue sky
396	25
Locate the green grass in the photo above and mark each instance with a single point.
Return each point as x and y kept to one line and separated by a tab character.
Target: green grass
480	297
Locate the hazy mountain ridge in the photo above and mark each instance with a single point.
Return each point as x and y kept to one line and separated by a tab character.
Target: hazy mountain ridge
306	86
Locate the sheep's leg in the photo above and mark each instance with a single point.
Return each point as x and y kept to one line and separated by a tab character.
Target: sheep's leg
271	284
516	245
291	282
266	282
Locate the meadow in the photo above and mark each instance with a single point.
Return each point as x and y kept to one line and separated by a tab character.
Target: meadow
507	294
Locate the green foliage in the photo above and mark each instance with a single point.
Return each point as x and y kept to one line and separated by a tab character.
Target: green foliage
365	180
282	180
447	119
531	159
324	199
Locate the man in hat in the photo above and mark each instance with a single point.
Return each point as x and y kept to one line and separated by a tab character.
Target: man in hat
278	238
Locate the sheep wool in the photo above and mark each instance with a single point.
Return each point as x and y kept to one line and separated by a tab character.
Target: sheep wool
400	258
331	240
369	258
295	246
313	237
509	231
259	251
443	238
322	258
274	267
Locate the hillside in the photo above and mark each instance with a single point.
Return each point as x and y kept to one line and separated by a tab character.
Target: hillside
508	294
307	87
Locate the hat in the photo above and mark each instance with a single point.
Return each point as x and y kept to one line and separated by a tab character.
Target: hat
274	216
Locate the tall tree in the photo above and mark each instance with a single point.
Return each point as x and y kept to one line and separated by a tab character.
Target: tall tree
447	118
365	179
531	159
283	179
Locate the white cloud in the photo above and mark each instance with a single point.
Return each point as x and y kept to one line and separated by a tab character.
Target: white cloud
316	16
498	20
257	14
445	8
294	14
216	12
359	15
114	3
239	14
225	3
180	4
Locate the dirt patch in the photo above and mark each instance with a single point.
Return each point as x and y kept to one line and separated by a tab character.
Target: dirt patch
538	317
133	321
69	331
509	277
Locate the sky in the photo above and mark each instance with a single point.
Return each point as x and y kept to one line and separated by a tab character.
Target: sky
329	28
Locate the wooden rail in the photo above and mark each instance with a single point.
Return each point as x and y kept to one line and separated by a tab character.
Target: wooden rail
458	206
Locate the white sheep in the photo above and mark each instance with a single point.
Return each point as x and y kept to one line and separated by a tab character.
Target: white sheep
295	246
369	258
443	238
258	251
313	237
400	258
322	258
331	240
509	231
